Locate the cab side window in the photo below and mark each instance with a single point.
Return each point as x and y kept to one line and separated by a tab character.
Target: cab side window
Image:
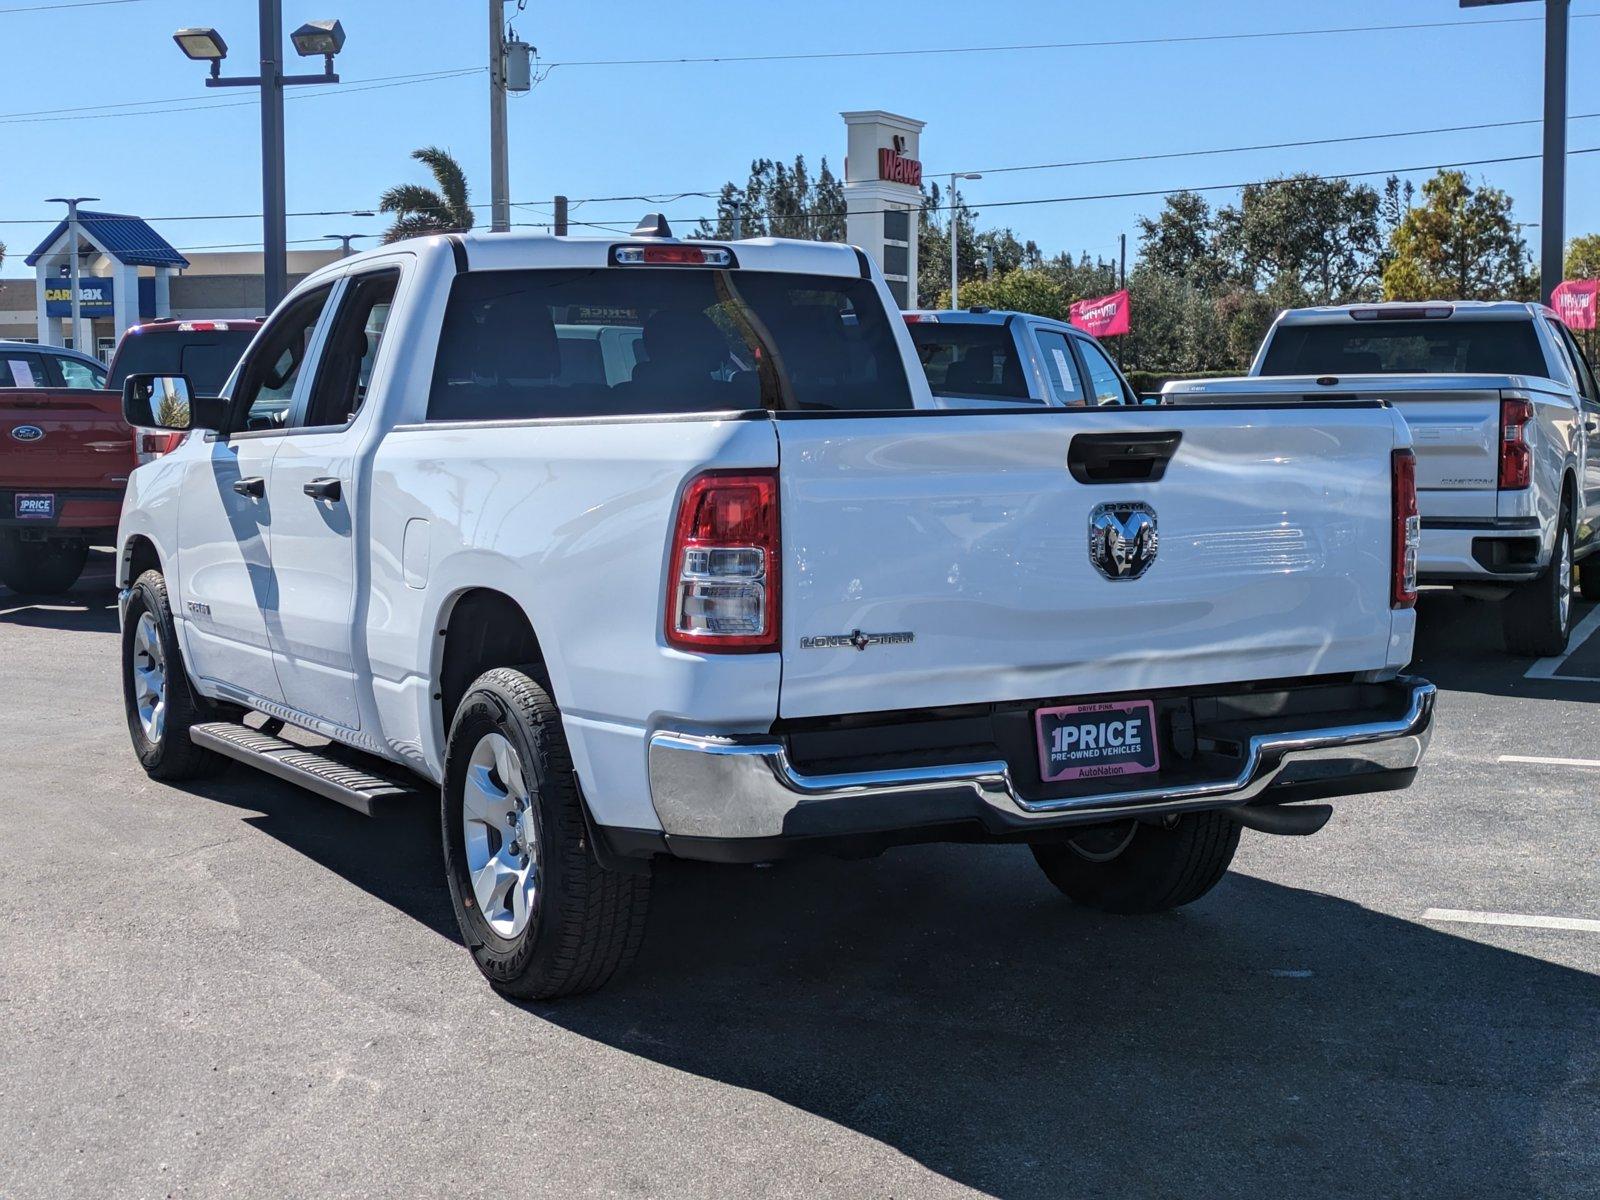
1066	381
78	374
22	369
273	366
1583	373
351	351
1105	382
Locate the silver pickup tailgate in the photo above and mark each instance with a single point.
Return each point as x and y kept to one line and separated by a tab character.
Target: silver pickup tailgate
938	559
1454	420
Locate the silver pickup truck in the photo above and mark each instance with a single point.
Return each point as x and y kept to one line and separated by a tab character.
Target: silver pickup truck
1505	418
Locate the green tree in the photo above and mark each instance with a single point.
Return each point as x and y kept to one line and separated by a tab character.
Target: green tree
980	255
422	210
780	200
1460	243
1025	289
1582	260
1181	241
1318	241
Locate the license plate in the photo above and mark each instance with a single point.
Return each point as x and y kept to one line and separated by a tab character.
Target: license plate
1097	741
37	506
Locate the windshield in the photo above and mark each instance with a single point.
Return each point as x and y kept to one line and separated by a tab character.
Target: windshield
625	340
1443	347
970	360
207	357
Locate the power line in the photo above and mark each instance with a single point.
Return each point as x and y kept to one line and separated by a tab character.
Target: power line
28	8
1326	141
1169	40
94	112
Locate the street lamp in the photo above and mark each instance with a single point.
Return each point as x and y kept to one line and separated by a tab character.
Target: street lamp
72	203
204	44
344	240
955	228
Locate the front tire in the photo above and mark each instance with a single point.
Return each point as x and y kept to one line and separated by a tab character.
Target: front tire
1151	868
539	914
1537	617
161	705
44	568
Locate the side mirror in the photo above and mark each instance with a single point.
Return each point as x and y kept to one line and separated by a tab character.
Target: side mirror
168	402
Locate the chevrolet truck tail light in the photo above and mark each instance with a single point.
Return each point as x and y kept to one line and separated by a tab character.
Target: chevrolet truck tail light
722	578
1407	529
1516	456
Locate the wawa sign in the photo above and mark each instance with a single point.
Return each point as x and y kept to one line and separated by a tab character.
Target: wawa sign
894	166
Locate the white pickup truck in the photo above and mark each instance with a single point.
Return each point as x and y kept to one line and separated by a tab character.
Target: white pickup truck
1505	418
638	547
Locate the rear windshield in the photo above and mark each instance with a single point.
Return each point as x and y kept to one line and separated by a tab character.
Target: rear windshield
970	360
622	341
206	357
1406	348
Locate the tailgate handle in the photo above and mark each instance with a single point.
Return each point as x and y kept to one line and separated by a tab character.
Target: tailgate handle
1121	457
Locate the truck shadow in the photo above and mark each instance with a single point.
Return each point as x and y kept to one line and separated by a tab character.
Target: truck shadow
1460	647
1266	1042
947	1002
90	606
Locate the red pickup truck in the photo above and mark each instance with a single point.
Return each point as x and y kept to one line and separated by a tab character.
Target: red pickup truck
65	452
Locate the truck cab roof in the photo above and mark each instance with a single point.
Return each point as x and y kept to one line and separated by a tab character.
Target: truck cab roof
1416	310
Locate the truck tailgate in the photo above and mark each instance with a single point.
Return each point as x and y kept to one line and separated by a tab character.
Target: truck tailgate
940	559
83	440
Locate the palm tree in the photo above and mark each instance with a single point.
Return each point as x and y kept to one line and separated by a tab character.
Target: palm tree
423	210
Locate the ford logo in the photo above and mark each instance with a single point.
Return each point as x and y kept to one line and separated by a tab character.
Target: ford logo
27	433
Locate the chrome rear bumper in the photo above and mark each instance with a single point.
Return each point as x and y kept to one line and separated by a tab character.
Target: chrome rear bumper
705	786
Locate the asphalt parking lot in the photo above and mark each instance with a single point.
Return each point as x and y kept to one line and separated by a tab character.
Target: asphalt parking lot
238	989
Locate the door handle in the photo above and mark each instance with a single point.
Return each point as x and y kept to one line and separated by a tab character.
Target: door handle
254	486
323	489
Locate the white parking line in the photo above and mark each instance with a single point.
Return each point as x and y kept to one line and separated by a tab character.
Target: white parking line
1549	762
1519	919
1546	668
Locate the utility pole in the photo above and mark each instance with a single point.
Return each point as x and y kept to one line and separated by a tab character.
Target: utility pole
738	217
1552	233
72	203
499	167
1122	254
1553	200
561	216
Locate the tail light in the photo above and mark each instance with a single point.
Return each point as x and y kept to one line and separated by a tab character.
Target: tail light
151	444
1516	456
722	589
1407	529
672	256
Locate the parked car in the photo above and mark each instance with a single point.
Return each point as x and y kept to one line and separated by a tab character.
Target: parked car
982	357
753	599
28	365
68	453
65	456
1505	416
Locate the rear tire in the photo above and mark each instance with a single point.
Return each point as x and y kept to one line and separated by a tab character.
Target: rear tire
161	705
1160	867
1537	617
45	568
539	914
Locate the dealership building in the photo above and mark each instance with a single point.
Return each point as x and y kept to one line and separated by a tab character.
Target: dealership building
128	273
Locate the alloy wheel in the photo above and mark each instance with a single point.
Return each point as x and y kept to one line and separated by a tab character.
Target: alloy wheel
150	678
499	825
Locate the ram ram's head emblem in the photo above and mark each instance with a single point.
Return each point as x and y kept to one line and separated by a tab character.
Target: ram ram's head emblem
1123	539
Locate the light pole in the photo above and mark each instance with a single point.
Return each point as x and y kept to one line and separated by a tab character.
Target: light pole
72	203
509	71
955	229
204	44
1553	200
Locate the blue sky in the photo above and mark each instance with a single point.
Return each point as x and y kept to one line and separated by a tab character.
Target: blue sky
596	131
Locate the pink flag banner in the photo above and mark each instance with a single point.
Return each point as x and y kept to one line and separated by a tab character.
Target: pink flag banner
1107	316
1574	301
